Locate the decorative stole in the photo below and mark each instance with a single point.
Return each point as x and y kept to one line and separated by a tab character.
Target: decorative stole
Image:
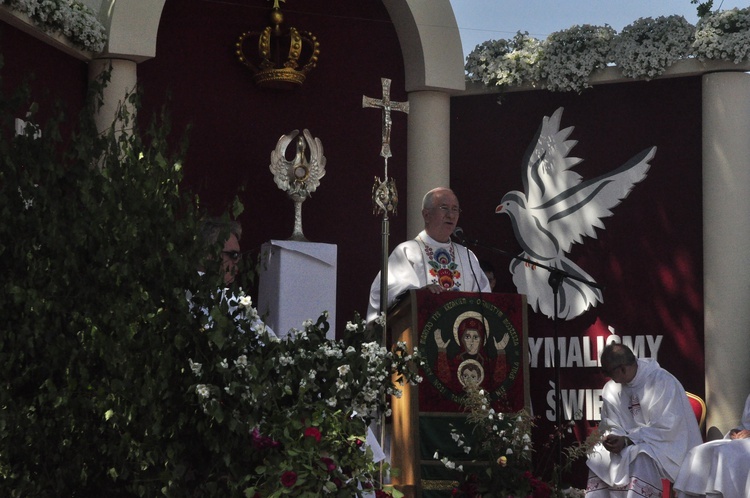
442	267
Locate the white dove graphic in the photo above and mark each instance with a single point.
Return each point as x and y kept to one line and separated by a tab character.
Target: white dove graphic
557	210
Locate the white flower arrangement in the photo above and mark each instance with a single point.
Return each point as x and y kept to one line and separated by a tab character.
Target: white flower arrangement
505	62
724	35
70	18
647	47
571	55
644	49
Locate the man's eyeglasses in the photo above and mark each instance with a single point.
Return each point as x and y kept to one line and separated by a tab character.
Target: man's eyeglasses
233	255
446	209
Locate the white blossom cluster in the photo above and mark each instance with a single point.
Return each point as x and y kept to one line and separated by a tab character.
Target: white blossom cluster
505	62
644	49
73	19
647	47
306	369
570	56
724	35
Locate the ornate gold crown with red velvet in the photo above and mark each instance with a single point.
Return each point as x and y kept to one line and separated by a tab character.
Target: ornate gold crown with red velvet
284	57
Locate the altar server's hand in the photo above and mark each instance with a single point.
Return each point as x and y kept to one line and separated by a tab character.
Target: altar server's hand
614	444
743	434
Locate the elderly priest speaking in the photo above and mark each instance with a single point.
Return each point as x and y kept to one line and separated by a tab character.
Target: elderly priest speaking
431	260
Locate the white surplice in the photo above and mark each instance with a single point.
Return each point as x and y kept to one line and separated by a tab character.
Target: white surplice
718	468
654	412
409	267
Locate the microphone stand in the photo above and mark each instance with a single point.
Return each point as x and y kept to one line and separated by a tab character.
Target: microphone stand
555	280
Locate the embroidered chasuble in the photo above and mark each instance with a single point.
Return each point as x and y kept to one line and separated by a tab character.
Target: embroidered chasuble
416	263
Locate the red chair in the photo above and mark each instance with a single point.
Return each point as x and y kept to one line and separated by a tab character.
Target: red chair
699	409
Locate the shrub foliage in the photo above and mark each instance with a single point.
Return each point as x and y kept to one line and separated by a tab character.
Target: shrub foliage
97	249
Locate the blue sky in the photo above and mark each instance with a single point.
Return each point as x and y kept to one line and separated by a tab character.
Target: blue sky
482	20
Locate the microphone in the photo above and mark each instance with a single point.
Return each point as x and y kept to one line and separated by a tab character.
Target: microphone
458	233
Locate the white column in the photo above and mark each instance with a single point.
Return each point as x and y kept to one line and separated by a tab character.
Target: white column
428	152
726	243
123	79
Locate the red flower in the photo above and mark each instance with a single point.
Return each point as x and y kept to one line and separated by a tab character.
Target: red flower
313	432
379	493
288	479
542	490
328	463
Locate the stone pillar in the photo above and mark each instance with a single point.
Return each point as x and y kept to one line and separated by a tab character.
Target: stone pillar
428	152
726	242
123	79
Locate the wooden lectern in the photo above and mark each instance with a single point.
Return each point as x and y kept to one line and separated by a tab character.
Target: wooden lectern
463	337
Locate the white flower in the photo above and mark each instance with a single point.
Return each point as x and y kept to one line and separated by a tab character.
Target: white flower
203	391
344	369
351	327
195	367
509	451
241	361
245	302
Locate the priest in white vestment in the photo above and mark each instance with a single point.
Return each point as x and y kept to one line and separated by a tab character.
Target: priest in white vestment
721	468
650	426
431	260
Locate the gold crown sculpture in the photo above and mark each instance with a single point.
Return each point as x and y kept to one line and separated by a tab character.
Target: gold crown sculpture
284	57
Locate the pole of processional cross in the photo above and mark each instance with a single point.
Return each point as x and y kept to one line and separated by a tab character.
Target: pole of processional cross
384	193
384	200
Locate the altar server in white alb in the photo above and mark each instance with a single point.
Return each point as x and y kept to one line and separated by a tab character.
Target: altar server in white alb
720	468
431	260
650	428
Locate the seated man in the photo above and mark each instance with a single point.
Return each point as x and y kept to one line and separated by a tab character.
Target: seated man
719	468
226	265
649	426
431	260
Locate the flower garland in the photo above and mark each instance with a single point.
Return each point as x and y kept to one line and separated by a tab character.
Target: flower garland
505	62
724	36
71	18
570	56
643	49
646	48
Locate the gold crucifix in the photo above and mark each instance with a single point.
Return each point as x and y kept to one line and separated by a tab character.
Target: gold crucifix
387	105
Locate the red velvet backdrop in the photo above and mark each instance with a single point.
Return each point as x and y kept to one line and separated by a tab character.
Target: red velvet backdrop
53	78
235	124
648	257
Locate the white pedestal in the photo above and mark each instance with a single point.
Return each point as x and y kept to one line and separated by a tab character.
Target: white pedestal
297	282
